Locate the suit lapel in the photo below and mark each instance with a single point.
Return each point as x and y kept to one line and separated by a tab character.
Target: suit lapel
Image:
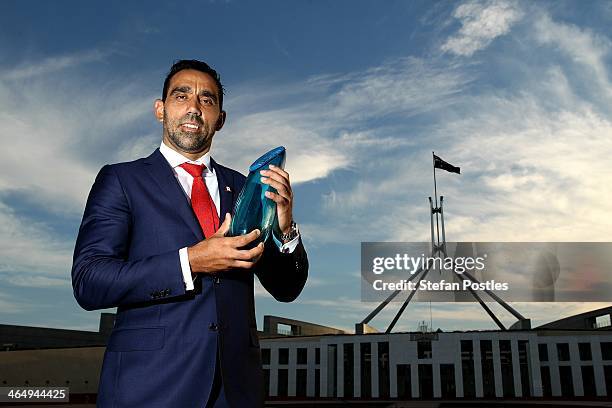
226	190
164	177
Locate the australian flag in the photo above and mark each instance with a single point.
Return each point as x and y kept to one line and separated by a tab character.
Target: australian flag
441	164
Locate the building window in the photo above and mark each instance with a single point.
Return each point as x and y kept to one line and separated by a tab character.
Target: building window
283	382
302	355
543	351
608	379
602	321
425	381
467	350
467	368
317	355
383	369
563	353
348	370
332	370
523	350
546	381
567	382
447	380
404	383
424	349
486	364
284	329
265	356
366	369
585	351
283	356
505	356
588	381
300	382
606	350
266	373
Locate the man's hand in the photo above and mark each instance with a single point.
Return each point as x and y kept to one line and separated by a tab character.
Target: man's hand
219	253
279	179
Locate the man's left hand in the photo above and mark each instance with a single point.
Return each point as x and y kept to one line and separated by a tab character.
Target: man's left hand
279	179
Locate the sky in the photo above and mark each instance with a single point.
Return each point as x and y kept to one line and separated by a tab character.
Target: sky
516	93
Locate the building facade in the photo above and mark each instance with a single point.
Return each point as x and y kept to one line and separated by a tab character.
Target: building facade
511	364
567	359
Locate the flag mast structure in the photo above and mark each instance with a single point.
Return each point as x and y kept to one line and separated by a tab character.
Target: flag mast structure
434	210
439	163
438	248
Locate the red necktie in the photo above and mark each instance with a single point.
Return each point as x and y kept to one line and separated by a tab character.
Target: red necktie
201	201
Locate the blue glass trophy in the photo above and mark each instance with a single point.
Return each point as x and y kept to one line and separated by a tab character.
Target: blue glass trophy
253	210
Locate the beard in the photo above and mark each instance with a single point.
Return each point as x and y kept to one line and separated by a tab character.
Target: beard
189	142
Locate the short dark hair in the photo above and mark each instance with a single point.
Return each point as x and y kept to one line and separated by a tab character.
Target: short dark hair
201	66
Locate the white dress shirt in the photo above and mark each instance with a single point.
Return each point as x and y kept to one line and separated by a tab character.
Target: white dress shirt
175	159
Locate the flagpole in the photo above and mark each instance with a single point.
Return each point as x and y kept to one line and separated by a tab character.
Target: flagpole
435	197
435	186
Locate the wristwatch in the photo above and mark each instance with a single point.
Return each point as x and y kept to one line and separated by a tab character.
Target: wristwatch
293	232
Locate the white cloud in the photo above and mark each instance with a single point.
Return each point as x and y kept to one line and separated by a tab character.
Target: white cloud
138	146
520	161
252	135
55	132
52	64
544	168
582	45
26	279
328	130
481	23
536	153
12	306
407	86
30	249
53	149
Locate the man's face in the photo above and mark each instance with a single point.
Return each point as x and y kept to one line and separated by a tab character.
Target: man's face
191	112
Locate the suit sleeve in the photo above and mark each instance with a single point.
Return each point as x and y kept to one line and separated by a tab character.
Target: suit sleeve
102	275
283	275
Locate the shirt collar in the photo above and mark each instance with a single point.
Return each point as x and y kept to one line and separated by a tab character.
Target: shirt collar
175	159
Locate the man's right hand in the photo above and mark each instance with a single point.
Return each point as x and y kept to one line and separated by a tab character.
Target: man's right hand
220	253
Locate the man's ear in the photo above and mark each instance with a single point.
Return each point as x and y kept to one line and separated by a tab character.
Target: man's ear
220	121
158	109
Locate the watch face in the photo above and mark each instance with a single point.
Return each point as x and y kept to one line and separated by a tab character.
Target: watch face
253	210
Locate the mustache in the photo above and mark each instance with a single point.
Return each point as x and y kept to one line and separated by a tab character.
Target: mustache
191	117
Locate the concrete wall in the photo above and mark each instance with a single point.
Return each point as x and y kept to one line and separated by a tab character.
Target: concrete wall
76	368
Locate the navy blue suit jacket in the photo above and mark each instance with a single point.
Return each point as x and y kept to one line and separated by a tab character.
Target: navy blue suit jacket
162	351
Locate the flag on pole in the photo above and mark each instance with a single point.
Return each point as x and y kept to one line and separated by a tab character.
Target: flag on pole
441	164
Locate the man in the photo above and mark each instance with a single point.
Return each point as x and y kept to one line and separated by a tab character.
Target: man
151	245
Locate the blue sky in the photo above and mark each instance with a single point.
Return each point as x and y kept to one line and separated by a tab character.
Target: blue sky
516	93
